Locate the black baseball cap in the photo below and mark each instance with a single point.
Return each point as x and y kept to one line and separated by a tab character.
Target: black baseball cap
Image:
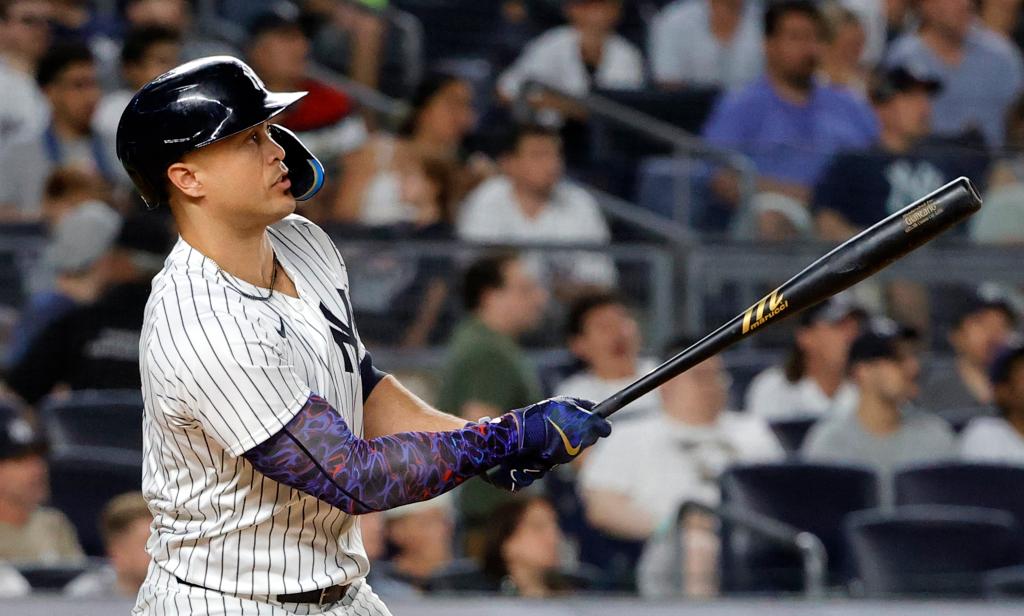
982	299
880	339
18	437
832	310
999	369
284	18
887	83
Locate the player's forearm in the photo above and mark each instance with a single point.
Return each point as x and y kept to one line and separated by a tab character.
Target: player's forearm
391	408
318	454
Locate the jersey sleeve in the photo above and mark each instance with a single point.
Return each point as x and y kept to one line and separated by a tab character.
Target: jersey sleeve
243	382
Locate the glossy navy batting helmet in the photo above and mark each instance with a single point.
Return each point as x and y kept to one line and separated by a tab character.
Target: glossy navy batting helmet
196	104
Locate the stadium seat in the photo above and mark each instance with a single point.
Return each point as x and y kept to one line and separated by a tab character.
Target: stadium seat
811	497
84	479
1005	583
96	418
993	486
792	432
54	577
931	549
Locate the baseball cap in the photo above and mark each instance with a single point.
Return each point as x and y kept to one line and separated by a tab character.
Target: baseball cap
82	236
832	310
17	436
878	340
983	298
285	17
895	80
1011	352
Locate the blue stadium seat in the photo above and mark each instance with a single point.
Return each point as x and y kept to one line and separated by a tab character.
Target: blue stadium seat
53	578
84	479
1005	583
792	432
98	418
931	550
993	486
811	497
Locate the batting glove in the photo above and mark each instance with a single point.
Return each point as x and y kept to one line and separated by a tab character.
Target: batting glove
555	431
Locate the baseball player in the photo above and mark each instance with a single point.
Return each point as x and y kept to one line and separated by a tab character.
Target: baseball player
268	429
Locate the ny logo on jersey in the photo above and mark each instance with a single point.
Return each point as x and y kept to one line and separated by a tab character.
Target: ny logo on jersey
342	330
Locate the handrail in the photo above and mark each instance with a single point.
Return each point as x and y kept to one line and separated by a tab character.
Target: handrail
650	127
813	556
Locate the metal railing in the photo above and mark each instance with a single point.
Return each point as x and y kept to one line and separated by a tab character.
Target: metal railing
682	142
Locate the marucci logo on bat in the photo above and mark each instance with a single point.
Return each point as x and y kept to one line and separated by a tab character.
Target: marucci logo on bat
764	311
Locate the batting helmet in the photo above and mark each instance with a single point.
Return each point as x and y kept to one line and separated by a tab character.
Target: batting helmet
196	104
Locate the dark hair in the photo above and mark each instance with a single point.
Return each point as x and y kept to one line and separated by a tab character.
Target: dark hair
583	305
483	275
432	83
138	41
515	137
65	181
58	58
781	8
120	513
501	525
443	173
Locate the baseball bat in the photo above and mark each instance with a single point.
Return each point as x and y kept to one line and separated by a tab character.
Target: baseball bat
847	264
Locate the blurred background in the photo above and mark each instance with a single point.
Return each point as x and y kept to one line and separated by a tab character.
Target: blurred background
540	197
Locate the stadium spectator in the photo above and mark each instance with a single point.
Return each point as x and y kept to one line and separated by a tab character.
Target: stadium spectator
147	52
421	538
981	72
1002	219
786	122
1000	439
326	119
813	381
97	346
29	533
859	188
69	275
522	551
982	323
418	285
124	525
24	38
440	117
354	40
883	432
67	75
486	370
531	202
630	490
1003	18
175	15
842	58
707	43
605	337
574	58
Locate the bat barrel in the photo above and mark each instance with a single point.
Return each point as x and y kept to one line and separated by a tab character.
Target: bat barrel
844	266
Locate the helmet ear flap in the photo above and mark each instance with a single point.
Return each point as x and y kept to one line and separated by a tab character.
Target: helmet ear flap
304	170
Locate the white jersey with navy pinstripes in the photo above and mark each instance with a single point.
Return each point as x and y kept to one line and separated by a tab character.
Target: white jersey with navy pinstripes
221	373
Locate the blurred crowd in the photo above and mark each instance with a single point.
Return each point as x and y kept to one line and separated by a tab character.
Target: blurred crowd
847	110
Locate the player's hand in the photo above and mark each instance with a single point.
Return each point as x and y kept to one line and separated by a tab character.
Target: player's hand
515	475
555	431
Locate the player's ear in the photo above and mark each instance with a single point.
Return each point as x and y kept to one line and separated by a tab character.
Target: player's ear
183	177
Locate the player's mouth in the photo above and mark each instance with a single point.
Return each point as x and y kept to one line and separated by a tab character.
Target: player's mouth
283	182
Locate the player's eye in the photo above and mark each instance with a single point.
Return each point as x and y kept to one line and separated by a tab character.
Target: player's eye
255	138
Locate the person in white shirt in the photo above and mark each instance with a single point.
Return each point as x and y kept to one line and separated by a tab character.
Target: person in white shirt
1000	439
576	57
711	43
531	203
813	381
603	334
24	38
635	483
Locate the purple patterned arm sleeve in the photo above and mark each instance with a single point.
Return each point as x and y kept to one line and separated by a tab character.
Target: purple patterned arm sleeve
317	453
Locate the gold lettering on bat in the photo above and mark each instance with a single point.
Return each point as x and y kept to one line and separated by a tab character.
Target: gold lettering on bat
756	316
919	215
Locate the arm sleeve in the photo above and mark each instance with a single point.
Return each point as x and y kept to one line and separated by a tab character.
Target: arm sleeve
317	453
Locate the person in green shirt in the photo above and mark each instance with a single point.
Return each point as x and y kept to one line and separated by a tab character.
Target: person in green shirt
486	370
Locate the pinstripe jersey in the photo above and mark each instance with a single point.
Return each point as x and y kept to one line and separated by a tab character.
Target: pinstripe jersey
221	373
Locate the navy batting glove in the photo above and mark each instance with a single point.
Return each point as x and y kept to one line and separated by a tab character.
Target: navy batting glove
514	476
555	431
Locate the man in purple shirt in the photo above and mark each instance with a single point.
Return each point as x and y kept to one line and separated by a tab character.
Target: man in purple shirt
785	122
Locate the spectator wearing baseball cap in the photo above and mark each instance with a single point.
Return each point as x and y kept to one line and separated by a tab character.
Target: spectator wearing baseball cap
29	533
883	432
813	380
1001	439
982	324
97	346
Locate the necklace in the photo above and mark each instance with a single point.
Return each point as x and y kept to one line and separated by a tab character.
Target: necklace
273	281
